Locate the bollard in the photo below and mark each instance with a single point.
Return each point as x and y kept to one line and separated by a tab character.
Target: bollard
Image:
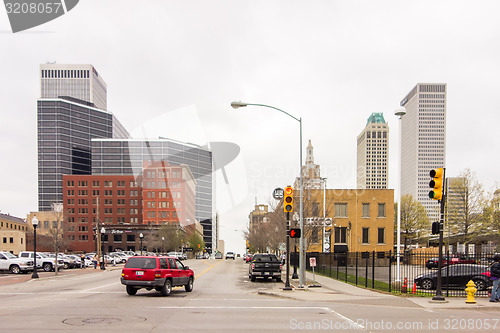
471	292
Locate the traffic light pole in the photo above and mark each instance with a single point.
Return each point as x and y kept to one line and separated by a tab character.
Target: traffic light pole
439	293
287	281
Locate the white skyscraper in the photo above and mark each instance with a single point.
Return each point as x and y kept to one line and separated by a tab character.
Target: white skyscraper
373	153
423	135
77	81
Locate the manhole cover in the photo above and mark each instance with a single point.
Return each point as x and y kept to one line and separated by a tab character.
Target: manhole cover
104	321
101	320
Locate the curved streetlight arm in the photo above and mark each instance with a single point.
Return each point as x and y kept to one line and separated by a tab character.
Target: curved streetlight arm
236	105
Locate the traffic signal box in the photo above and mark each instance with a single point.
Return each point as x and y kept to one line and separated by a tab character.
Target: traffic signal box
436	184
295	233
436	227
288	199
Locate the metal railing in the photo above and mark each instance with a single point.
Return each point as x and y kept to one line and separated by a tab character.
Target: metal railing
377	270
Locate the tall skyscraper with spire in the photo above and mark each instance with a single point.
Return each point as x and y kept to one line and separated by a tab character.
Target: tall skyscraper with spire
311	176
373	144
423	135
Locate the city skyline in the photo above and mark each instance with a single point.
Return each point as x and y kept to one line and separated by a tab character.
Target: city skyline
331	63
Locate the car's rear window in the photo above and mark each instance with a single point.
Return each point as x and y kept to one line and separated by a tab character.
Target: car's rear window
143	263
265	257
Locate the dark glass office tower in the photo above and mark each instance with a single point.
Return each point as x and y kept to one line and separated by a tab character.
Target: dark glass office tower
126	157
65	128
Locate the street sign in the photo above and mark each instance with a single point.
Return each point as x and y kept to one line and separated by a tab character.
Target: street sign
278	193
312	262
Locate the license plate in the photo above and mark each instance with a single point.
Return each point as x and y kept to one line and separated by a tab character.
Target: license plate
266	273
139	273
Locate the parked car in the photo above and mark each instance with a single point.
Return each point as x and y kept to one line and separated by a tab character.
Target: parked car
218	255
458	277
264	265
122	257
9	262
433	262
42	260
248	258
159	273
230	255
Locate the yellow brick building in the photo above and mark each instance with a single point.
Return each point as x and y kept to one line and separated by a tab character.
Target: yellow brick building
12	234
357	220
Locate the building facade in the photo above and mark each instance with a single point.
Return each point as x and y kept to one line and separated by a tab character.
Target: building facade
423	135
12	234
373	151
126	157
357	220
79	81
311	173
257	216
70	112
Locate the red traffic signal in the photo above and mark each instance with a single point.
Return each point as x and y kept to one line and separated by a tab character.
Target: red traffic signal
295	233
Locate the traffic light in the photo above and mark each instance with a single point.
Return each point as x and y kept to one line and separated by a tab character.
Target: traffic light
288	199
436	184
295	233
436	228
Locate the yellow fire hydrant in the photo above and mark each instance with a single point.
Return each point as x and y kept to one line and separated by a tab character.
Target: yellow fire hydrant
471	292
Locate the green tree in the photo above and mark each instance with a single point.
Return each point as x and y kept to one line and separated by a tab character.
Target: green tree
414	220
196	242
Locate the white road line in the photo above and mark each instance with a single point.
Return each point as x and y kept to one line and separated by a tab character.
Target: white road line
107	285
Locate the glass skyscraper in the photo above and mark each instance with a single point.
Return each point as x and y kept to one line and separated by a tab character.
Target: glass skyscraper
65	129
126	157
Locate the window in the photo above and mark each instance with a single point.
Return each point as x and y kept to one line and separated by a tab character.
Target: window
130	238
11	240
340	210
381	210
365	237
117	238
366	210
381	236
340	235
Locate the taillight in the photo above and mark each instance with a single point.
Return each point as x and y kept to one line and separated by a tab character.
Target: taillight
253	266
280	267
157	274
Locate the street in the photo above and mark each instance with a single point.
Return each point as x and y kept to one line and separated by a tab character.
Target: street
223	299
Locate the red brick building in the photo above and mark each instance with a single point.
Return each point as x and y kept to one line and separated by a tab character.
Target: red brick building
127	206
87	199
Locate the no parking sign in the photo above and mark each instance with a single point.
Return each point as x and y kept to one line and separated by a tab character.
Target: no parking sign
312	262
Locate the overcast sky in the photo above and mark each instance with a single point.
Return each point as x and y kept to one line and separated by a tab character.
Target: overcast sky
173	67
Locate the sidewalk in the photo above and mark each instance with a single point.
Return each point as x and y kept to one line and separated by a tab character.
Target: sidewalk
332	290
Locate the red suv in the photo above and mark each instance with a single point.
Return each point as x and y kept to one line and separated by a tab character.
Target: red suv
160	273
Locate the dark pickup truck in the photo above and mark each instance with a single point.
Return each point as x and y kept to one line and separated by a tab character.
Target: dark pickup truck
264	265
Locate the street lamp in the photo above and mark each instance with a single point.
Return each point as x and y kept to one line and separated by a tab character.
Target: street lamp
141	236
103	231
400	112
34	221
162	245
302	272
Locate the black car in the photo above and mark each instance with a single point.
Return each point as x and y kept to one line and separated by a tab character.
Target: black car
456	276
433	262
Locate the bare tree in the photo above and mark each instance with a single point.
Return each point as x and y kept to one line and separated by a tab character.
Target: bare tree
55	233
465	204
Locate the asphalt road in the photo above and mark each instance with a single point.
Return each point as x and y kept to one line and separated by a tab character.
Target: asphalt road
223	300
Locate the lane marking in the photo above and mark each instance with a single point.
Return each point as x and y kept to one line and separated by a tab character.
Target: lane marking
107	285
